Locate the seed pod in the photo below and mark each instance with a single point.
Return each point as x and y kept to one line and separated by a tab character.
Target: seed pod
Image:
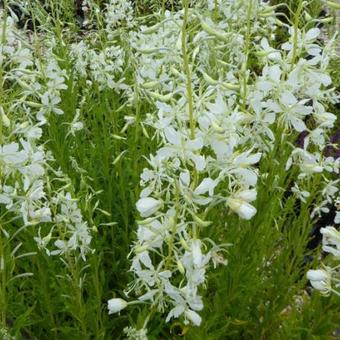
265	14
333	5
209	80
148	50
154	28
176	73
215	33
118	137
230	86
150	85
33	104
200	222
151	29
325	20
161	97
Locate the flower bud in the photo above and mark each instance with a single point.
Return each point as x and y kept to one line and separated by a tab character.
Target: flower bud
320	279
180	267
5	119
148	205
241	208
116	305
308	17
184	244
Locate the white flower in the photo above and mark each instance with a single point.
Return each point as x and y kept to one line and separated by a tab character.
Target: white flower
320	279
10	154
268	51
300	194
148	206
239	203
180	145
116	305
243	169
325	119
243	209
304	41
294	111
331	241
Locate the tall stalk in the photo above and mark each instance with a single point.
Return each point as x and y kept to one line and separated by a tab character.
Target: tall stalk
187	70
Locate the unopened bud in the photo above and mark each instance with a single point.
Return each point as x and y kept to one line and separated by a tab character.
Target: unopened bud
184	244
5	119
308	17
180	267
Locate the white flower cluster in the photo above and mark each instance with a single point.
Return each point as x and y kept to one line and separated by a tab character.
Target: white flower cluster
214	122
41	84
119	12
327	280
103	67
53	80
26	190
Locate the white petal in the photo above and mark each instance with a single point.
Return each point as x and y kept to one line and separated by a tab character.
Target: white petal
298	124
173	136
317	275
185	178
275	73
206	185
247	195
288	99
312	34
193	317
196	252
199	162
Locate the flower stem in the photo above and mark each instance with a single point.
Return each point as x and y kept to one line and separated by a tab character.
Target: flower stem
187	70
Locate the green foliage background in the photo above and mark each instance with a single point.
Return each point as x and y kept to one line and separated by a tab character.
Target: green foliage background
261	294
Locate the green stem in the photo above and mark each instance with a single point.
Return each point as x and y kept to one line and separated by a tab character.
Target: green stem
296	28
3	41
247	51
187	69
3	278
